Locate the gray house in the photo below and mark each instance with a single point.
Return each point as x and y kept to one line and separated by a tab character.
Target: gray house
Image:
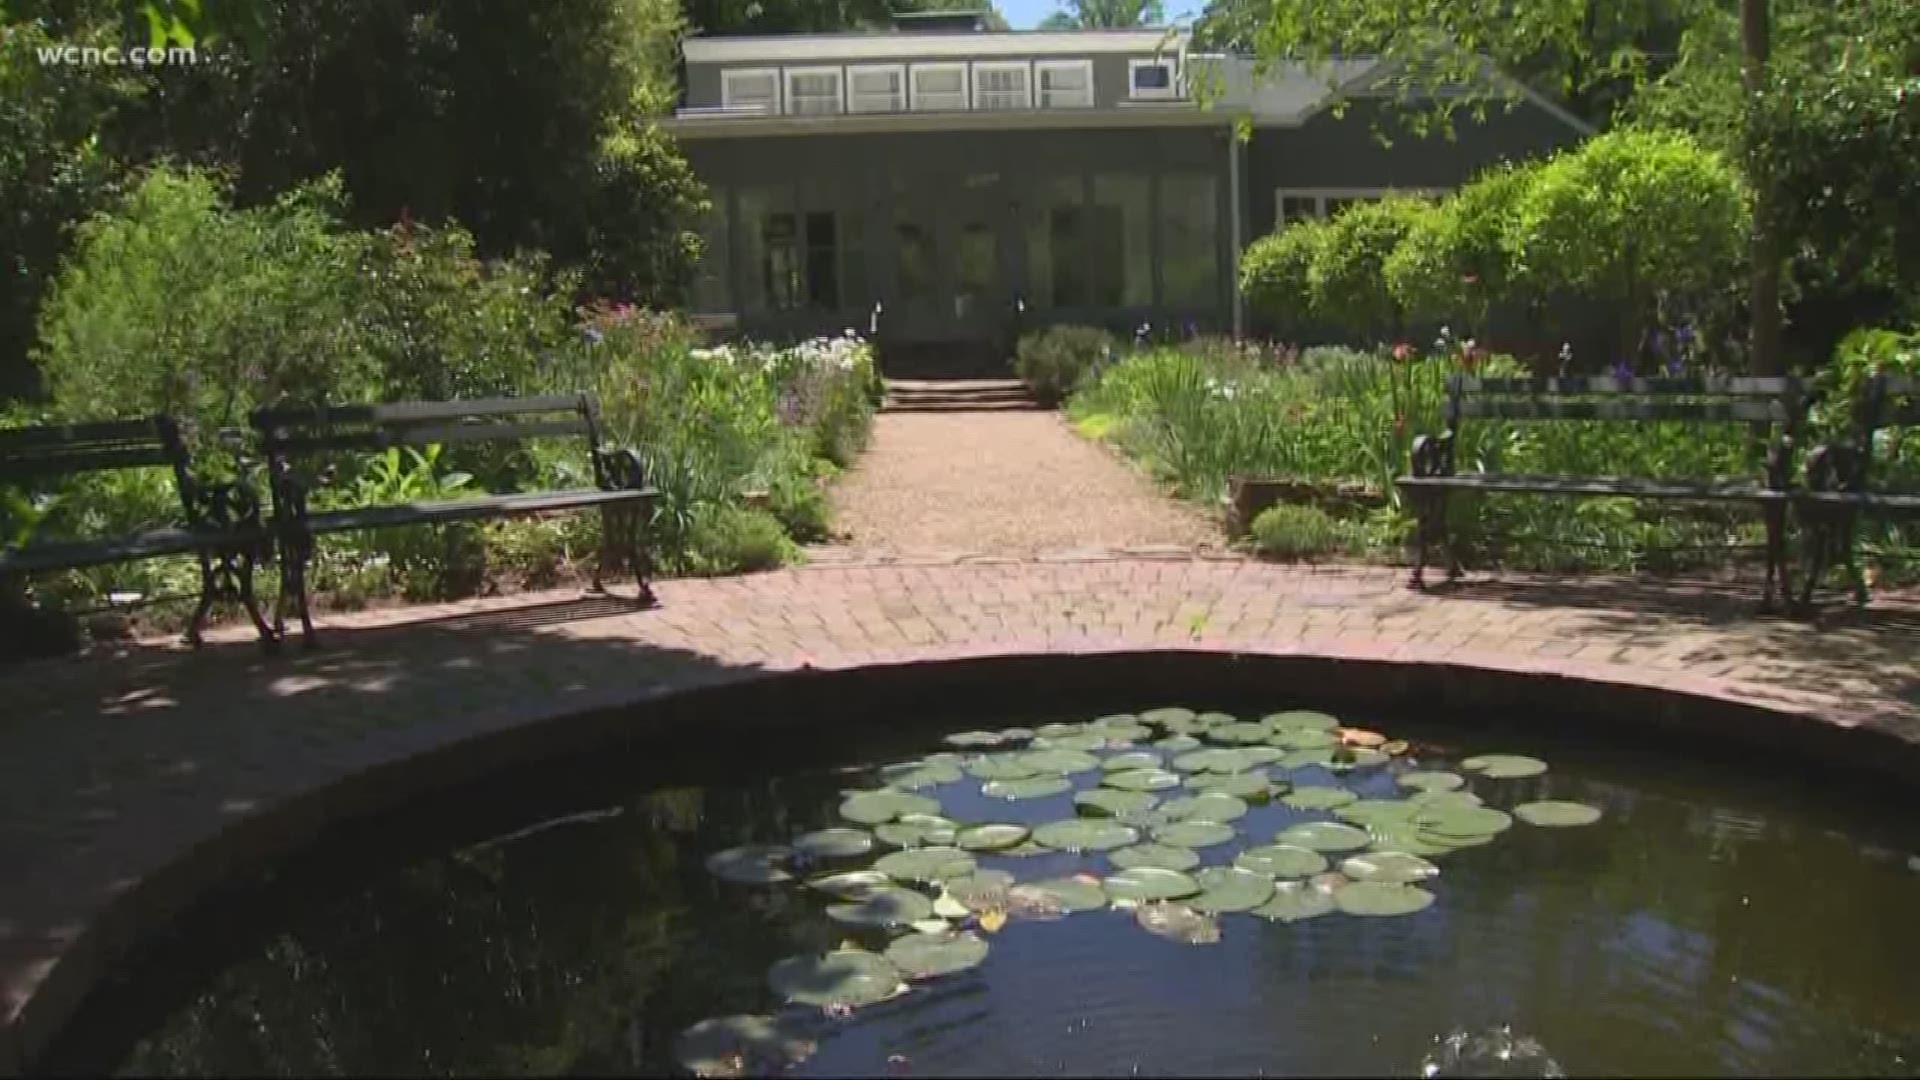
944	185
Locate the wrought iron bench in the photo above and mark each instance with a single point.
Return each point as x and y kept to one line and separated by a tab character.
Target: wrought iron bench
1841	485
301	445
1778	403
219	520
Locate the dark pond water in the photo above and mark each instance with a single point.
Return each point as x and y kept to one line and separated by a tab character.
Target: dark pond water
1717	920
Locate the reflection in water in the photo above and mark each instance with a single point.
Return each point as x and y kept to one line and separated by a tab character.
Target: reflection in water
1705	926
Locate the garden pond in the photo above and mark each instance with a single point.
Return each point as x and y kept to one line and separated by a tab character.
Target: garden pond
1165	892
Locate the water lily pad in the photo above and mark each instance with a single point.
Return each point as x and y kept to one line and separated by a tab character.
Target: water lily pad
935	925
834	843
1168	715
728	1046
1504	766
845	977
1178	922
1463	822
1293	901
1430	781
1230	888
751	864
1112	720
1395	747
1407	837
990	837
1218	759
1178	743
1193	834
1553	814
1084	834
1214	719
1346	759
925	864
1318	797
1002	766
1441	800
891	906
1015	734
1305	739
1303	759
925	956
1148	820
1301	720
1032	787
1088	740
974	738
851	885
948	906
1324	836
1059	762
874	807
1392	867
1068	894
1282	861
1133	759
1141	780
1113	801
1377	812
918	830
1026	850
1058	730
1255	756
1240	732
1252	786
978	891
1143	883
912	775
1380	898
1160	856
1207	806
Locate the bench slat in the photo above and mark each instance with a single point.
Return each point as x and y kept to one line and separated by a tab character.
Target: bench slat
1566	409
375	517
145	430
379	438
400	412
1735	386
62	461
153	543
1884	502
1736	490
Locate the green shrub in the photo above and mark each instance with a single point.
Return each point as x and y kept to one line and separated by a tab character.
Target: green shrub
726	539
1453	264
1645	221
1292	532
1053	362
1346	278
1274	274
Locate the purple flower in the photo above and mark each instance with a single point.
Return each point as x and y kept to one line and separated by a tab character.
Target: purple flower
1684	334
1623	371
1662	344
1675	367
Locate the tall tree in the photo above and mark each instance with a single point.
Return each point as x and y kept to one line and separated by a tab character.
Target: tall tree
1105	15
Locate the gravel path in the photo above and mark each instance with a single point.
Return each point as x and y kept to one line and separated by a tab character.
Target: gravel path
1004	483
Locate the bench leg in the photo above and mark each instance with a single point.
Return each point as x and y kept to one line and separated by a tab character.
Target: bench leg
640	554
294	554
249	561
1818	531
209	588
609	550
1777	573
1429	510
1849	534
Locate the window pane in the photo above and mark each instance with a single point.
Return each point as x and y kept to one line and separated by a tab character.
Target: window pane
757	207
1064	87
1298	208
781	266
1121	234
823	261
1056	252
1153	77
1189	240
854	290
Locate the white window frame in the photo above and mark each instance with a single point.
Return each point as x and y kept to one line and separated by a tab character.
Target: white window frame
1042	67
732	75
839	86
984	67
961	103
896	104
1170	92
1320	195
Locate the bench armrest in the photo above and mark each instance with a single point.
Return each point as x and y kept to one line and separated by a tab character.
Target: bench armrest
619	469
1432	455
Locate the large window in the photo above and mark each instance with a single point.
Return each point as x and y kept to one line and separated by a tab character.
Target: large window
813	91
1001	86
1120	234
756	88
1302	204
940	87
790	255
1064	84
878	88
1190	240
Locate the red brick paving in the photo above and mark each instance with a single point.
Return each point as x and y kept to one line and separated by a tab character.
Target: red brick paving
118	762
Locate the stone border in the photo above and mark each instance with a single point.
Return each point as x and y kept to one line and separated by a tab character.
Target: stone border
1335	678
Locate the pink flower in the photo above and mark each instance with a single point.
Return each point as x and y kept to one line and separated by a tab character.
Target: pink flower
1403	352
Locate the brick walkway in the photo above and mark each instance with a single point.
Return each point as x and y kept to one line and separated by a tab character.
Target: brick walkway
117	763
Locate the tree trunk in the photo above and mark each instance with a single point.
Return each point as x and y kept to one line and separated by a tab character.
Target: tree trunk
1763	344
